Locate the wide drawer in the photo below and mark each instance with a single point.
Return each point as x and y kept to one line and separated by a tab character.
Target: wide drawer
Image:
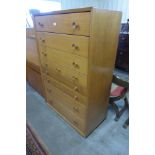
77	82
75	107
68	43
72	23
74	62
78	98
66	113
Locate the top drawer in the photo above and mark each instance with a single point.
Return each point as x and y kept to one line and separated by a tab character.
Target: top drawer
73	23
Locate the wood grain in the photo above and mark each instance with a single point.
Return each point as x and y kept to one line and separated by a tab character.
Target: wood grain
66	89
33	76
97	41
77	45
105	27
73	23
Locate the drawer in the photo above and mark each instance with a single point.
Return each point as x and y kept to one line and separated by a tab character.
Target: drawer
74	62
41	23
77	82
68	43
73	23
66	100
75	95
66	113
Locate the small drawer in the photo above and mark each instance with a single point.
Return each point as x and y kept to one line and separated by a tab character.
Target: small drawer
41	23
68	43
78	98
77	82
74	62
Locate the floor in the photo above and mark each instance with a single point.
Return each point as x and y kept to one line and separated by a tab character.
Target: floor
110	138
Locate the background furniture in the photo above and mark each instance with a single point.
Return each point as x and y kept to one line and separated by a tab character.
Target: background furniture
33	75
77	51
117	94
122	59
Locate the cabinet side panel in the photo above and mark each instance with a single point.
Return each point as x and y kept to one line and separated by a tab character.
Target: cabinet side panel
105	28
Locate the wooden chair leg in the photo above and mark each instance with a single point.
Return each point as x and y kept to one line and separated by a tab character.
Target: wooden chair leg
124	107
126	124
116	109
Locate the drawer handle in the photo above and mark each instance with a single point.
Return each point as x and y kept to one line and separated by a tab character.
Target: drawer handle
75	65
58	70
76	109
74	46
75	78
75	122
45	54
75	97
74	25
49	91
76	88
43	40
40	24
50	101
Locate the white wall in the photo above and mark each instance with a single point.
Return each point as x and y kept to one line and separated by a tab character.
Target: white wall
120	5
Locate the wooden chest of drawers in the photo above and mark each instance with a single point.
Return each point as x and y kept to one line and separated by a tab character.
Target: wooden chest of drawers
77	50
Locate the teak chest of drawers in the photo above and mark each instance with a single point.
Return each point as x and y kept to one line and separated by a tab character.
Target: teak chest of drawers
77	50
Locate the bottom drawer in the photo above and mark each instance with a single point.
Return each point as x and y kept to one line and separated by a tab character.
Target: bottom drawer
66	112
78	109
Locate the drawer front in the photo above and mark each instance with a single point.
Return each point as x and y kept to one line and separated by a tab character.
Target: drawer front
41	23
54	93
73	23
66	113
74	80
74	62
78	98
68	43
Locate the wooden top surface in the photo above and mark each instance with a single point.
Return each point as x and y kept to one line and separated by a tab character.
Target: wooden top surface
87	9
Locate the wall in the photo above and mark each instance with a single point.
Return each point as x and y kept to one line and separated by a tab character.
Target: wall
120	5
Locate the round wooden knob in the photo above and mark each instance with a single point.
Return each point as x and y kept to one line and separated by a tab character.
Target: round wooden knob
43	40
76	65
76	88
74	78
75	122
58	70
49	91
40	24
45	54
75	97
76	109
74	46
73	63
74	25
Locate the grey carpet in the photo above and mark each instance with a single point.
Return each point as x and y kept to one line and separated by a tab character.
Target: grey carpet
110	138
